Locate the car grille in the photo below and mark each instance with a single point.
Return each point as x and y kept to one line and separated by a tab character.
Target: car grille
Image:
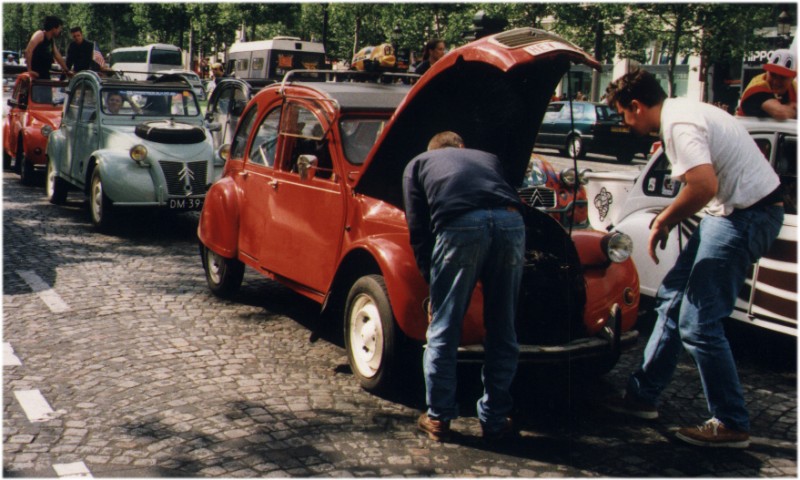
522	37
185	179
538	197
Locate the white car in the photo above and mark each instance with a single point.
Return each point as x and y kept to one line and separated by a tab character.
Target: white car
191	77
629	201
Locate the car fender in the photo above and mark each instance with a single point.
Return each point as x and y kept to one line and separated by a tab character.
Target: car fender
218	228
55	149
637	226
408	291
123	179
32	139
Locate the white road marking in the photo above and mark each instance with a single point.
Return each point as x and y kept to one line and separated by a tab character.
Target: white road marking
45	292
72	470
9	358
35	406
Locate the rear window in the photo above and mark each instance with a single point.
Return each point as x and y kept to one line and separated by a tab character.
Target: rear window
358	137
166	57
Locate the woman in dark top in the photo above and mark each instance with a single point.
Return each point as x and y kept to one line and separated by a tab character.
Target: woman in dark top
431	53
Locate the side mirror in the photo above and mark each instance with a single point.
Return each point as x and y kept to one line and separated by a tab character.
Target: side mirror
214	127
307	166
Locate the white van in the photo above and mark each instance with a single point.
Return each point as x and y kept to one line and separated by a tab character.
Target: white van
271	59
139	63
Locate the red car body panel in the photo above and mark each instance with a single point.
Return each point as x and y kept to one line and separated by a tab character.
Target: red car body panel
24	121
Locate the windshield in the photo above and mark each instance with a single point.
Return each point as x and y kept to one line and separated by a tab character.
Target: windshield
47	94
174	103
359	135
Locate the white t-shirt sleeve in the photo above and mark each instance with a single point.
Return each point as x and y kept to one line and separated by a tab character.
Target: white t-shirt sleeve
687	147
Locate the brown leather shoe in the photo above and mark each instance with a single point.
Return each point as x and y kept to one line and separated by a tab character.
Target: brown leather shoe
714	433
437	430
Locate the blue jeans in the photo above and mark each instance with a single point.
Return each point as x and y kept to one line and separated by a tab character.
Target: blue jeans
695	296
486	245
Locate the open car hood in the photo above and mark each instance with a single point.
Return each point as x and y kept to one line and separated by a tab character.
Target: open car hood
493	92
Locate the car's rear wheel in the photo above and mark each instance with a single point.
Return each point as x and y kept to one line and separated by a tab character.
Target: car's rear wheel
625	156
575	147
26	173
223	275
370	333
100	207
55	186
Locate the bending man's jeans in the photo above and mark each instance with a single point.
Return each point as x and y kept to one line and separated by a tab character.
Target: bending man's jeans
695	296
486	245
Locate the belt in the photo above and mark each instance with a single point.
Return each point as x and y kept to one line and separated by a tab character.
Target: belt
774	198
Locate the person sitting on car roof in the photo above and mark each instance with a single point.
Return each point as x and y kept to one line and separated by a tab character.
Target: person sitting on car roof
773	93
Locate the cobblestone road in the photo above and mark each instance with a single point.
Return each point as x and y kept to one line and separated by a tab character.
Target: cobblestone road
119	362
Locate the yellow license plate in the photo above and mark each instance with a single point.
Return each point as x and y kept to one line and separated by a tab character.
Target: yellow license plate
620	129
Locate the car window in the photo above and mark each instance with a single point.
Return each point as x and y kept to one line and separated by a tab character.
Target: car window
358	137
786	167
89	110
242	133
305	136
180	103
262	150
115	102
223	105
74	105
21	93
658	181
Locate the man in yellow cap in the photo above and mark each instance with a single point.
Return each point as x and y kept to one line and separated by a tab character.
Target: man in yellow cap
773	93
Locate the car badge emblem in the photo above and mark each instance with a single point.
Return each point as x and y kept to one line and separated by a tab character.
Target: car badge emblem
536	198
186	175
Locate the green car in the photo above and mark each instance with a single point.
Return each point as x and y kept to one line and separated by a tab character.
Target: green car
131	144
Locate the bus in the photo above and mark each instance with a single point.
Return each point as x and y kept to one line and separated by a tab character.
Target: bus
271	59
139	63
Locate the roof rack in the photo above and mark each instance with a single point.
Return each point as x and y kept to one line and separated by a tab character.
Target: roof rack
351	75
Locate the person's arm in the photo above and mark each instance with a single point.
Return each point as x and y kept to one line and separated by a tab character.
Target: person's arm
36	39
60	60
70	56
700	187
418	219
779	111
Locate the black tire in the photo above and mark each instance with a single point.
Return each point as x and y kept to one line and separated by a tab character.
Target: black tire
100	207
223	275
6	160
55	187
26	173
575	143
20	157
166	131
625	156
371	336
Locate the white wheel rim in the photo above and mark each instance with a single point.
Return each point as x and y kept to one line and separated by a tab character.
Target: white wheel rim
366	336
573	146
51	180
215	267
97	199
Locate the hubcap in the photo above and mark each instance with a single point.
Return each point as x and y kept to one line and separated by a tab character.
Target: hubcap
51	180
366	336
215	267
97	199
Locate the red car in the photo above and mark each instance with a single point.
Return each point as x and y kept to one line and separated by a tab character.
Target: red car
35	111
311	197
555	192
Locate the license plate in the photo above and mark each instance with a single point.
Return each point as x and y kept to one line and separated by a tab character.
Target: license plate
620	129
185	203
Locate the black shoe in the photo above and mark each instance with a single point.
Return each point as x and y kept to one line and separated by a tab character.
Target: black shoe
629	406
503	434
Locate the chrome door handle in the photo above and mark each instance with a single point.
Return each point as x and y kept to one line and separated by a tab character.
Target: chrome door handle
274	184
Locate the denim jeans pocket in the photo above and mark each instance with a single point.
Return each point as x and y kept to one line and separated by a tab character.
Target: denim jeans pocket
459	245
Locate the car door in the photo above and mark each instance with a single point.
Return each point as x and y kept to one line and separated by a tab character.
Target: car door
772	299
221	102
69	125
305	228
17	114
86	134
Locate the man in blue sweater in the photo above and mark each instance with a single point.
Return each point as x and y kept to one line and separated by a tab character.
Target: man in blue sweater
465	225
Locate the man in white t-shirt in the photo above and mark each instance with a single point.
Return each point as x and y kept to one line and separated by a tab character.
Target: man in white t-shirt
721	169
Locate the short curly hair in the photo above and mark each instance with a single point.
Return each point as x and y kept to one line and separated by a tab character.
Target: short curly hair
445	139
638	85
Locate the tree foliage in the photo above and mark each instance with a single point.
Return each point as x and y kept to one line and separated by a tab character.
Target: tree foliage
716	31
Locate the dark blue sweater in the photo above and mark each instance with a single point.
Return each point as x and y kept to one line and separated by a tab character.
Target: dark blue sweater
442	184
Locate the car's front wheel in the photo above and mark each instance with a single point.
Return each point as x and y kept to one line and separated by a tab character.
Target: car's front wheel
625	156
55	186
99	205
370	333
575	147
20	157
223	275
26	173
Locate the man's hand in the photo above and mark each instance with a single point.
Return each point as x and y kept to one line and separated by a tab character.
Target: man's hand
659	233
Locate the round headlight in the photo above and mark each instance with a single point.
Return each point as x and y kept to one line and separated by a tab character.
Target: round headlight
138	153
618	246
46	130
582	176
224	151
568	177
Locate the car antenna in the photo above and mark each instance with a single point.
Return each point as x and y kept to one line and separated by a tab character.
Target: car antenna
574	153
